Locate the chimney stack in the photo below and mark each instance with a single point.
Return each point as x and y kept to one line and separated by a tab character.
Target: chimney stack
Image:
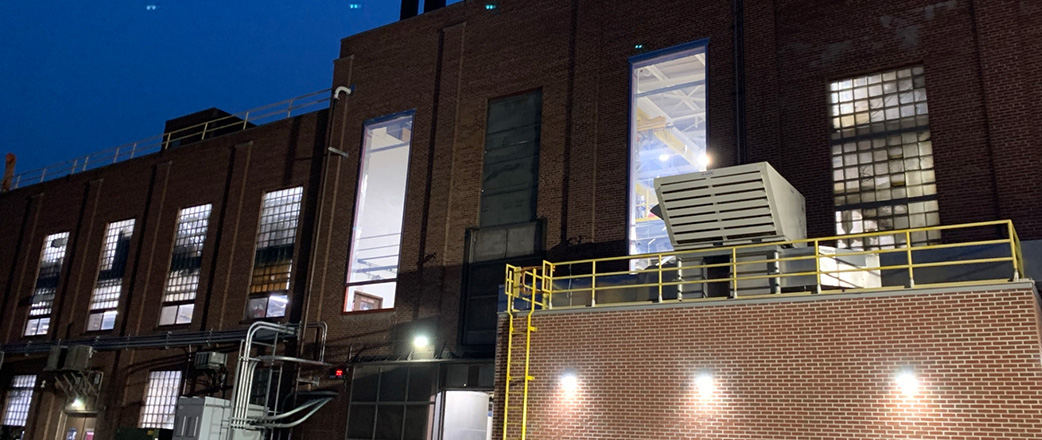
410	8
5	185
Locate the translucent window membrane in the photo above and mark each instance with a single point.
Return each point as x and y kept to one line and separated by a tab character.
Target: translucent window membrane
51	258
392	402
157	410
182	280
667	136
111	267
882	158
19	397
376	239
510	169
273	261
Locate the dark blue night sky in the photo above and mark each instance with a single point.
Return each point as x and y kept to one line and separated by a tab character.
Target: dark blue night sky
77	76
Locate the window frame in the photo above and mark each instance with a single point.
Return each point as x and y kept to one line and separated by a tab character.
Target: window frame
636	61
348	285
870	145
45	318
177	305
113	309
251	295
174	381
17	410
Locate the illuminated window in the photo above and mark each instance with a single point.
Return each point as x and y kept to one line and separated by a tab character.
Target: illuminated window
51	258
273	260
882	158
19	397
182	280
104	300
667	133
157	411
379	214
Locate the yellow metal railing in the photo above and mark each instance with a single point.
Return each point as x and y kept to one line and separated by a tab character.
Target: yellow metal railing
807	266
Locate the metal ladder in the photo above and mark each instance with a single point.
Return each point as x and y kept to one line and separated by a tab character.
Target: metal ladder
518	282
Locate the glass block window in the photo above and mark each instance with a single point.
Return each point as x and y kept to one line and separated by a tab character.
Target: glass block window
667	134
182	280
104	299
273	260
391	402
157	411
882	158
379	214
19	397
52	256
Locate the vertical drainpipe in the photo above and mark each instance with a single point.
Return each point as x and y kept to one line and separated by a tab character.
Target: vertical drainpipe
739	81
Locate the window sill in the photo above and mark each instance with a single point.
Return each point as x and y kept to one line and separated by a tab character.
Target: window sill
365	312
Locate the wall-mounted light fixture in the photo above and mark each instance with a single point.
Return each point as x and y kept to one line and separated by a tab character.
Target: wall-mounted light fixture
907	382
705	384
569	382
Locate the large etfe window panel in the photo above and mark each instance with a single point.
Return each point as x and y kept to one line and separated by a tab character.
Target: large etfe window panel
376	238
667	133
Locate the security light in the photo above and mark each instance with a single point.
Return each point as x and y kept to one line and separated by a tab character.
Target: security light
908	382
421	341
705	384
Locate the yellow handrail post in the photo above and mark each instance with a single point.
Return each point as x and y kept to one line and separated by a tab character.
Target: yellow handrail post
734	272
1013	246
911	271
660	278
817	266
593	284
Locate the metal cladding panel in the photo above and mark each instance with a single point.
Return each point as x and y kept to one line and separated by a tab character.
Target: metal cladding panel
741	204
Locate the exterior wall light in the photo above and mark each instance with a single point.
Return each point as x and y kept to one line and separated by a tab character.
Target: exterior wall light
908	382
569	382
705	384
421	342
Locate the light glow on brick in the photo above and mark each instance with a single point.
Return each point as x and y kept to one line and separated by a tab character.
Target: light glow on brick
908	382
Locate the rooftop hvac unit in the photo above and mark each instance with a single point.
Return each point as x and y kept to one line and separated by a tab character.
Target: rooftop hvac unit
749	203
210	360
69	358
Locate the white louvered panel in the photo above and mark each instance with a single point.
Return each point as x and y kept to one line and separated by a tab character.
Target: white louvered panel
742	204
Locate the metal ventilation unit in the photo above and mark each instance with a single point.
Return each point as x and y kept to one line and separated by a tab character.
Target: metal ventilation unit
749	204
729	206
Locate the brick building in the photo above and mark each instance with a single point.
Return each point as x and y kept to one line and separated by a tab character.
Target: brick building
487	133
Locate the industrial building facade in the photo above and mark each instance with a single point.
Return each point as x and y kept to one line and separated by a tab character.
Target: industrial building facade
488	133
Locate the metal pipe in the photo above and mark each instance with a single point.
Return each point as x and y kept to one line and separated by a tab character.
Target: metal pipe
302	419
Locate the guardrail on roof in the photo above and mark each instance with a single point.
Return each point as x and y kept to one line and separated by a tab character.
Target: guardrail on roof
213	128
762	270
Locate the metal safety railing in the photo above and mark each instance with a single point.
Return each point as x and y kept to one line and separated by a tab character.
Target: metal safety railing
809	266
206	130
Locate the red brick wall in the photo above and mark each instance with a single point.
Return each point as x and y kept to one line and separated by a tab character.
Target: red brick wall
791	370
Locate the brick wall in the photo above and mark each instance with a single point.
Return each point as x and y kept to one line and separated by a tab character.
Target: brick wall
823	368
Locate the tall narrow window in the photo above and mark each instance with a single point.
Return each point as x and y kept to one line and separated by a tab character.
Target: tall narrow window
380	206
19	397
510	174
182	280
882	158
51	258
157	411
105	299
667	134
273	260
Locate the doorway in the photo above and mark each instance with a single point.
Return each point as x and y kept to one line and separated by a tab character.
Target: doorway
78	428
467	415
